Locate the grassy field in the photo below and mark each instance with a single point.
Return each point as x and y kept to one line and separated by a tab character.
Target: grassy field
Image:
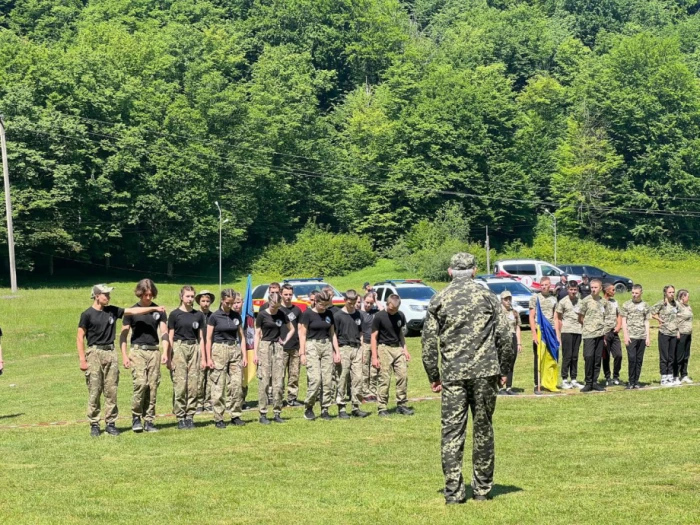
617	457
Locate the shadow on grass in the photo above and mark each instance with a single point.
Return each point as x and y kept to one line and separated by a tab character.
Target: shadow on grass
502	490
10	416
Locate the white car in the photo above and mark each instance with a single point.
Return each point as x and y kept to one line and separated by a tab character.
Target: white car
530	271
521	293
415	296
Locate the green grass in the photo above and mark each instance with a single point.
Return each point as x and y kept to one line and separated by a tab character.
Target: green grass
620	457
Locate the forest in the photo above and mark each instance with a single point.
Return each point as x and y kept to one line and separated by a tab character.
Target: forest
128	119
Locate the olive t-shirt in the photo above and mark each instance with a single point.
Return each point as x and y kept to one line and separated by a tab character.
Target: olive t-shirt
100	325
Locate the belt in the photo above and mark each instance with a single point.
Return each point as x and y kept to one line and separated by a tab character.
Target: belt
320	340
351	346
186	341
103	347
227	343
145	347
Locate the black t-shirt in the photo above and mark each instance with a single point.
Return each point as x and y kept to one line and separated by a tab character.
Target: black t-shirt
293	315
561	290
206	315
318	326
186	324
388	327
367	318
144	328
584	290
348	328
271	325
225	325
100	325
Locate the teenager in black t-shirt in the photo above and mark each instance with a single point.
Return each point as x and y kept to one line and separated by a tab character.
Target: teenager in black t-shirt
204	300
291	363
389	354
370	375
145	358
269	350
318	350
186	331
98	325
226	358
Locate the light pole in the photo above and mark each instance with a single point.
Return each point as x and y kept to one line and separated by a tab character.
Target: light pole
554	218
221	223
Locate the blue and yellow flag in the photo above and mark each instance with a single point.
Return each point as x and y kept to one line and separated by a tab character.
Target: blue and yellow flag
248	317
547	352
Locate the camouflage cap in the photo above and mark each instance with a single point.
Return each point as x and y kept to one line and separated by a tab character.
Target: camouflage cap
203	293
462	261
505	293
99	289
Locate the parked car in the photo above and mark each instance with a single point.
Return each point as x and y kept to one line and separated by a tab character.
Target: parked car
622	284
415	296
521	293
530	271
302	288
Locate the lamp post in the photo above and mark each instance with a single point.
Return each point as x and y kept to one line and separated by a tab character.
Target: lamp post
221	223
554	218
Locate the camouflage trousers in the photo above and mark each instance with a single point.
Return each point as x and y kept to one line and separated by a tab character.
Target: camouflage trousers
270	369
458	397
185	374
102	377
204	389
350	376
227	374
319	372
292	366
391	359
370	375
145	370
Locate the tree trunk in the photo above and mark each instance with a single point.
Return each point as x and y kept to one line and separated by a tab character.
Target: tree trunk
170	269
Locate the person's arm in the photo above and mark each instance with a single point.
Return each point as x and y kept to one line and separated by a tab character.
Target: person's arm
336	347
166	343
302	344
122	343
618	324
142	310
373	346
402	342
244	346
290	333
503	341
256	344
80	343
558	321
208	362
533	325
646	329
429	342
169	351
201	343
625	331
518	332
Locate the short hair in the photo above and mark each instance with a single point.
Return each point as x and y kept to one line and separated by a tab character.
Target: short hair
351	295
287	286
637	287
328	289
572	284
597	281
145	285
274	285
274	298
323	296
545	279
682	293
607	286
373	295
229	292
394	299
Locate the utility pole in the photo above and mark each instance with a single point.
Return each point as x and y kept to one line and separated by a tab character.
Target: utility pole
220	252
554	218
488	252
8	208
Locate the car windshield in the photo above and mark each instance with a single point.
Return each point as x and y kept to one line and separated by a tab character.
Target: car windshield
513	287
306	288
417	293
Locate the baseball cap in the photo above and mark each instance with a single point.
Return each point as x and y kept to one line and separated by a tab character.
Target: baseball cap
203	293
462	261
365	285
100	288
506	293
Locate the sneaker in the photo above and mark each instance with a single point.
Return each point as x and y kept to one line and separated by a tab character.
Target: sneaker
342	414
502	392
95	431
181	424
629	386
608	381
481	497
383	413
359	413
263	419
676	381
510	392
687	380
237	422
587	388
637	386
616	381
189	423
136	424
598	388
150	427
278	419
211	409
294	403
111	430
220	424
566	385
325	415
576	384
404	411
199	411
309	414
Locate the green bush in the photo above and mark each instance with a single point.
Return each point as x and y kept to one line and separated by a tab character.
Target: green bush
317	251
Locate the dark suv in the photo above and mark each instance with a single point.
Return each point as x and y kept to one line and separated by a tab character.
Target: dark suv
622	284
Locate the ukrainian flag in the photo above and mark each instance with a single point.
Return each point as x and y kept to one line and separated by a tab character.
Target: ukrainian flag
248	332
547	352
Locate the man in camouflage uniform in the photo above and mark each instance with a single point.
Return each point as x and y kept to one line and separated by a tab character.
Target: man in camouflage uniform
569	335
635	315
548	303
613	346
592	319
465	324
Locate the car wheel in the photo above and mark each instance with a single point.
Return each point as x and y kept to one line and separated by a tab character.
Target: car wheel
620	288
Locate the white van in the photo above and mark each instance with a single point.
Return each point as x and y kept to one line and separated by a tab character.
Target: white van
530	271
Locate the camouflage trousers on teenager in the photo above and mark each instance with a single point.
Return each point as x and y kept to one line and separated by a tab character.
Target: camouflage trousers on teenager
204	390
370	375
458	398
227	374
350	376
319	372
392	359
270	370
292	366
185	373
145	370
102	377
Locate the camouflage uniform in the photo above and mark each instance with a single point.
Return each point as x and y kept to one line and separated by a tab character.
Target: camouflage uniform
270	369
513	320
145	371
319	372
391	359
635	315
227	372
464	322
102	377
370	375
592	332
204	386
185	375
668	337
548	304
685	329
613	345
570	336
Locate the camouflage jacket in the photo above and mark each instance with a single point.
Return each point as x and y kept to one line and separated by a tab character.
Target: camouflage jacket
668	313
685	319
466	325
636	314
593	311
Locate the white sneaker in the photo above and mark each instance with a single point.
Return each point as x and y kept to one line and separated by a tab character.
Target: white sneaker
676	381
566	385
664	380
576	384
686	380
